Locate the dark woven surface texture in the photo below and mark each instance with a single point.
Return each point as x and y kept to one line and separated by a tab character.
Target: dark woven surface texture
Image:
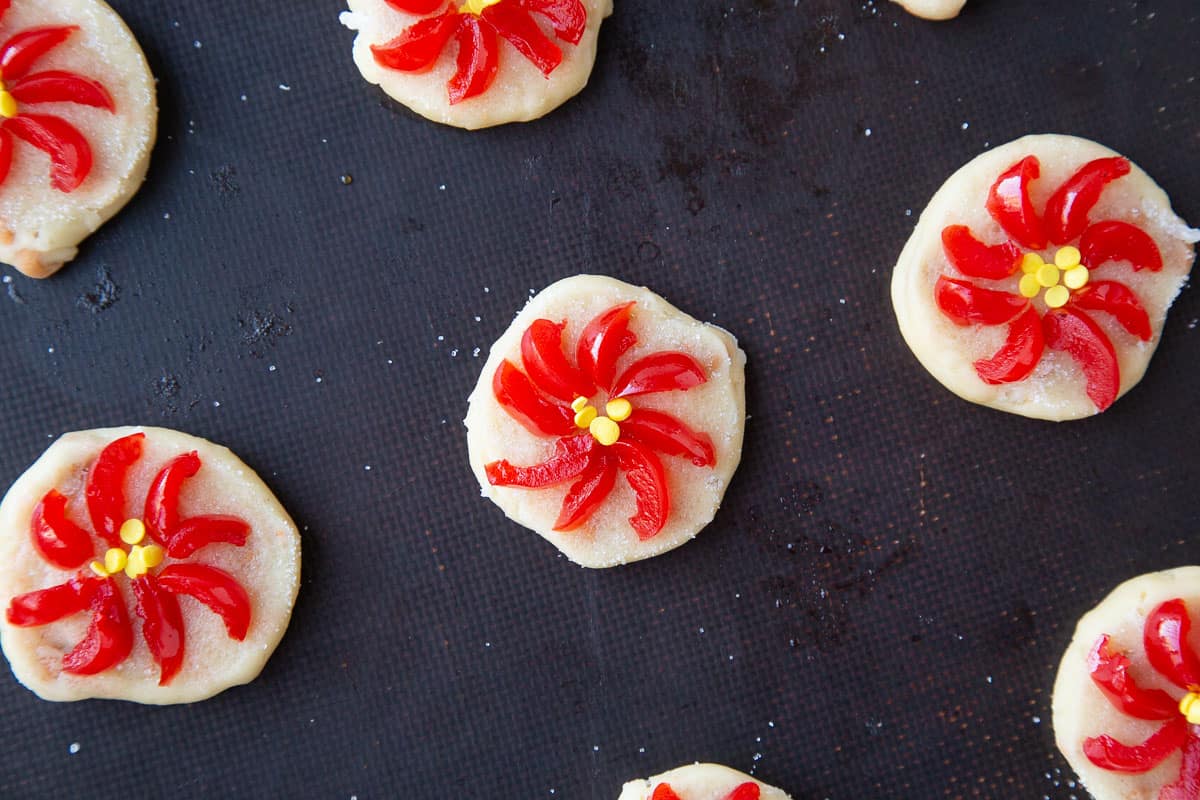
880	605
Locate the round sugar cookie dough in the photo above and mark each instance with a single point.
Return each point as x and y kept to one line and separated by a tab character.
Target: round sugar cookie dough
231	568
520	91
969	323
104	113
678	424
700	782
932	9
1082	710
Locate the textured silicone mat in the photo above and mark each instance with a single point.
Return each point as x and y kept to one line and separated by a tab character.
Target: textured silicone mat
879	607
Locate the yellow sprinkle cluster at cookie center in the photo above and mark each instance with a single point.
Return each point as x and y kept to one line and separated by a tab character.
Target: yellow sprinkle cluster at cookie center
604	429
1189	706
138	561
476	6
1059	278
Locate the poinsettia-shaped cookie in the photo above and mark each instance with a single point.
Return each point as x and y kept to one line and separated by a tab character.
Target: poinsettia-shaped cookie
700	782
477	63
1127	697
142	564
608	421
77	123
1038	279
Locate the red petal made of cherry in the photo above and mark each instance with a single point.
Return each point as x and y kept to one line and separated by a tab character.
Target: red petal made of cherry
664	792
20	52
745	791
1113	240
70	154
1009	204
216	589
4	4
975	259
1165	638
60	541
1078	334
1067	209
477	58
571	457
567	17
416	6
1188	785
162	626
605	339
1019	354
1107	753
105	489
515	25
1110	672
646	476
668	435
109	637
546	364
585	495
967	304
419	45
1120	301
195	532
49	605
660	372
518	396
6	154
56	86
162	500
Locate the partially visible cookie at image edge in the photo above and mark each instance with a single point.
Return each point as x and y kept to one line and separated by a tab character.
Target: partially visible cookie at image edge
78	119
700	782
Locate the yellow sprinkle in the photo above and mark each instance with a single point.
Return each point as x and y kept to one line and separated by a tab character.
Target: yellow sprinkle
133	531
579	404
1030	262
584	416
619	409
1057	296
605	430
1067	257
1047	275
1076	277
99	569
1189	706
477	6
152	555
8	105
135	566
1029	286
114	560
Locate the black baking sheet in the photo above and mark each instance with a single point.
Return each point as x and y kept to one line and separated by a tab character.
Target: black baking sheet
880	605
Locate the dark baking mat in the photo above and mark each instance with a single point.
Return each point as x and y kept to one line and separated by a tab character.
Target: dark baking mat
878	609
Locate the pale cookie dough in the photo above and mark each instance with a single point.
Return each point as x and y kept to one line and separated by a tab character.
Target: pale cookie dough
715	409
932	9
519	92
1057	388
267	566
1082	711
701	782
41	226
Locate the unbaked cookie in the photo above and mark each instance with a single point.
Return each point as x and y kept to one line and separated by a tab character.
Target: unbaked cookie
932	9
142	564
1127	697
1039	276
77	123
700	782
481	62
594	380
